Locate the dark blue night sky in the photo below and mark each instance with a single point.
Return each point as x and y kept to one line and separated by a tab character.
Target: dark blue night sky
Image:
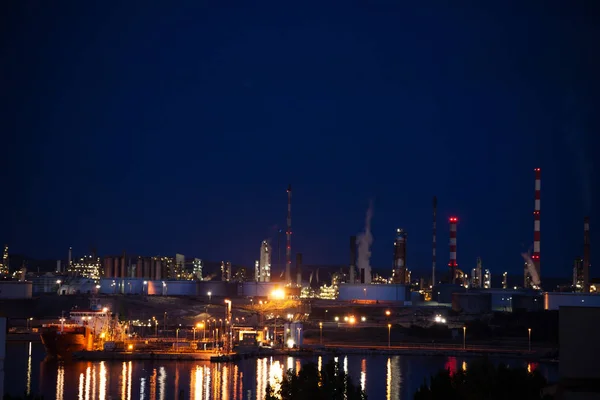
177	128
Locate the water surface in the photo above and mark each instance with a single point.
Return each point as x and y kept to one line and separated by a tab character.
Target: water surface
382	377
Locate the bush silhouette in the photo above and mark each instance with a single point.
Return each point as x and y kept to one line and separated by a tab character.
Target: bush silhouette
483	381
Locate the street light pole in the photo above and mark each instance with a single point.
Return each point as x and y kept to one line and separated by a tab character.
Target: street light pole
389	335
529	331
464	337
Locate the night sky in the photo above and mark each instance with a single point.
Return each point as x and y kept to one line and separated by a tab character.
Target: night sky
177	128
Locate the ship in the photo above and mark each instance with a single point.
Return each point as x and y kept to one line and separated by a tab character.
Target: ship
83	330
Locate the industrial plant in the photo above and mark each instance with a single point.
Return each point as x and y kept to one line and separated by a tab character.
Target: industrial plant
357	283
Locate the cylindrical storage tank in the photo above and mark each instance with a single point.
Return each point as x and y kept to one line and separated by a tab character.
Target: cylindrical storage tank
146	268
107	263
123	269
158	270
116	268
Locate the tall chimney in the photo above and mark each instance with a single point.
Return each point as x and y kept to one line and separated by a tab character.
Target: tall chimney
535	257
352	259
70	257
586	254
288	249
453	264
433	258
299	269
400	257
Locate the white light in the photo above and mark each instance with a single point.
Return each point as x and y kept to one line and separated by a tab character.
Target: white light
290	343
363	319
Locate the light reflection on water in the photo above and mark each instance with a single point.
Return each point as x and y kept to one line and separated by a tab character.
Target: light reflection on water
395	377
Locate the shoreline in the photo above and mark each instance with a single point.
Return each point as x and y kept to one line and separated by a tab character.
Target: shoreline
212	357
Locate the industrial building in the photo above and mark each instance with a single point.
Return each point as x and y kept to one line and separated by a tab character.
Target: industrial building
262	272
15	290
257	289
137	286
555	300
579	348
374	293
226	271
88	266
487	300
4	263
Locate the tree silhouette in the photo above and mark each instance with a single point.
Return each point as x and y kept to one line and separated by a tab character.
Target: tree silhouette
483	381
332	383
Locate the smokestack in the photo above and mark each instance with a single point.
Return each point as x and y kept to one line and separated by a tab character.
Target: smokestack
400	257
535	257
453	264
288	250
433	243
299	269
352	258
70	257
586	254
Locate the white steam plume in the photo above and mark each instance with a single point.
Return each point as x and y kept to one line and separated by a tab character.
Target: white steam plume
535	278
364	241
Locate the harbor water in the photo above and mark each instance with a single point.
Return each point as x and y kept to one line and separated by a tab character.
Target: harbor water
381	376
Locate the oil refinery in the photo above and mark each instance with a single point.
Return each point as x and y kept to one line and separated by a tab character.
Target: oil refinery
181	276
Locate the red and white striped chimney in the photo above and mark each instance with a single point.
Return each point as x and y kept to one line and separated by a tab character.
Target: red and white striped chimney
536	223
453	264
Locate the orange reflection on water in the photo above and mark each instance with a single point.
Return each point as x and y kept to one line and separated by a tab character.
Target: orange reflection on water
153	385
162	377
130	367
207	379
29	371
388	386
102	388
94	382
196	381
275	376
225	382
80	394
363	374
235	381
60	382
123	380
88	376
